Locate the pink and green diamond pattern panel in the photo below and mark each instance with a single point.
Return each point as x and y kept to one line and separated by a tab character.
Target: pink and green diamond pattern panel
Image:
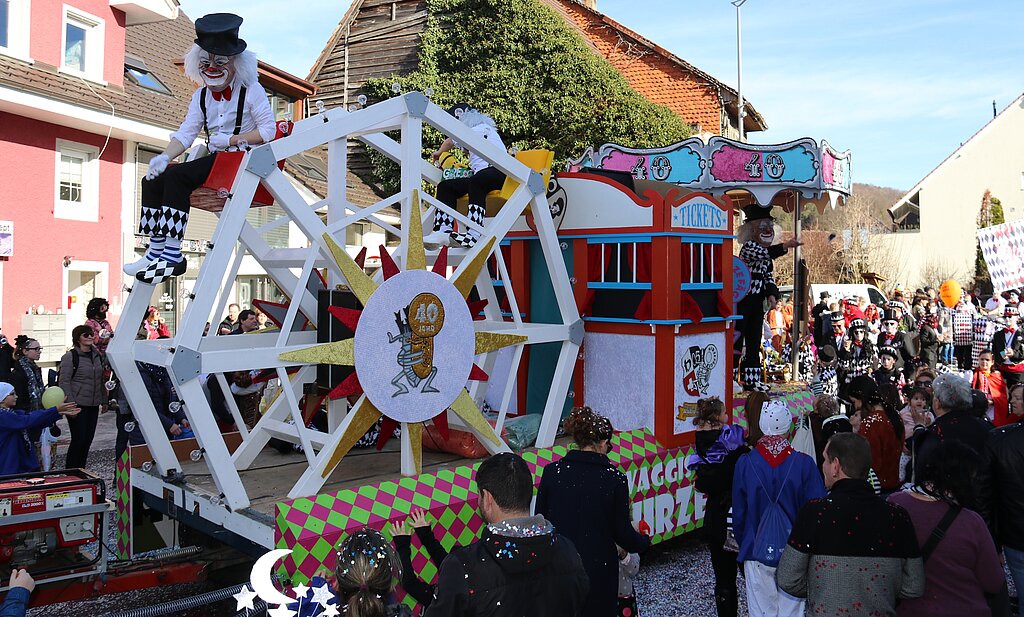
313	526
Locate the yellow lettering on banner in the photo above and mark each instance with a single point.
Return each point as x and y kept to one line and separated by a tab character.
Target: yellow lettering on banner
657	474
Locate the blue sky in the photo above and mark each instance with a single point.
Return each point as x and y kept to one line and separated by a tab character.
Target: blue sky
901	83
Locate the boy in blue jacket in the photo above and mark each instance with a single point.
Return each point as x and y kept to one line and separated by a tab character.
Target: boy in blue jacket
17	455
771	473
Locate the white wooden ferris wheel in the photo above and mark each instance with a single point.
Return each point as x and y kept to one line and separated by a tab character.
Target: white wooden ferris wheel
426	289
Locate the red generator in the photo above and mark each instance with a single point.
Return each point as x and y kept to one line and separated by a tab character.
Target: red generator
46	521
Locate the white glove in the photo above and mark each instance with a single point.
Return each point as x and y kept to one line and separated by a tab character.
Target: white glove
220	142
157	166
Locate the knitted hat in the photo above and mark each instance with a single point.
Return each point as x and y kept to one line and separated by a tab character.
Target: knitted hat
889	350
835	424
775	418
5	390
827	355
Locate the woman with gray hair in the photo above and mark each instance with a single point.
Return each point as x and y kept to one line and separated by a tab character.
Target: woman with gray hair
951	404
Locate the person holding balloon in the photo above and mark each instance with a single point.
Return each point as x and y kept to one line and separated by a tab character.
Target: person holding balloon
17	454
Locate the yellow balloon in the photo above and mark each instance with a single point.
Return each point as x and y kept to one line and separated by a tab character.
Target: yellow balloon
949	293
52	397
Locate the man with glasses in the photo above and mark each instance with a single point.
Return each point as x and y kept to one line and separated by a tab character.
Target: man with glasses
1008	348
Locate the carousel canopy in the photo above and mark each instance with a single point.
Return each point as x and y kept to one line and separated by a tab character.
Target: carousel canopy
766	175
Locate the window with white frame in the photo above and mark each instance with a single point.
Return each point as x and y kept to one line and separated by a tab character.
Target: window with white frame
82	44
14	28
77	182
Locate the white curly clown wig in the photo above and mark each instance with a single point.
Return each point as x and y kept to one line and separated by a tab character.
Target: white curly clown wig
245	67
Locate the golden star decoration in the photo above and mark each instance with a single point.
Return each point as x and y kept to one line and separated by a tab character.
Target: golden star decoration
365	412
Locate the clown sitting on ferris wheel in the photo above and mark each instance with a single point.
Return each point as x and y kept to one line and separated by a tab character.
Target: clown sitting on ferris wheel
233	110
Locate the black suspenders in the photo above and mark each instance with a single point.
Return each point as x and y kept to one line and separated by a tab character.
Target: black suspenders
238	112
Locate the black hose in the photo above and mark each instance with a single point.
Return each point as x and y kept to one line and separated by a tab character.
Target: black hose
181	604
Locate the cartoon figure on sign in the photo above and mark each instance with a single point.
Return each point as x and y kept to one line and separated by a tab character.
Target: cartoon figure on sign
421	322
697	369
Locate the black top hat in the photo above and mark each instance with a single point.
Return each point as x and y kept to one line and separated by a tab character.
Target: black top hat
755	212
217	33
837	316
827	355
890	315
857	323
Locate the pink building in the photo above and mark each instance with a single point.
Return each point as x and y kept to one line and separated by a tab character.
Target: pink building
89	92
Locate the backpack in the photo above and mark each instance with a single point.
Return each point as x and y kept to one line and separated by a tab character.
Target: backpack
53	377
774	527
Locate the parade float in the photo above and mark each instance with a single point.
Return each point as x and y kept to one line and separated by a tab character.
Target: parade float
612	284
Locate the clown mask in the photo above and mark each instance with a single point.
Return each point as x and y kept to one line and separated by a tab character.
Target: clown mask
765	232
218	71
858	334
891	327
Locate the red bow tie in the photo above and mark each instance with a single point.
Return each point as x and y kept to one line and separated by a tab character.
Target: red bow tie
224	94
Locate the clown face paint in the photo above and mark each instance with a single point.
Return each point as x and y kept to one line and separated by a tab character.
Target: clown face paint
766	232
217	71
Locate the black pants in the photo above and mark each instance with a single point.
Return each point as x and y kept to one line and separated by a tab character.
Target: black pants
962	353
477	186
723	562
83	429
1011	378
751	308
174	187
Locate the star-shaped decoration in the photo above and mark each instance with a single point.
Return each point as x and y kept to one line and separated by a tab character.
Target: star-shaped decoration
281	611
245	598
322	594
331	610
366	413
300	591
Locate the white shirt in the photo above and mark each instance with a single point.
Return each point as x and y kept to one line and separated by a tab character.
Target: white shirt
489	133
220	115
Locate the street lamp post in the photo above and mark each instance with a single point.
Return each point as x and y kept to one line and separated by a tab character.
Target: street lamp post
739	68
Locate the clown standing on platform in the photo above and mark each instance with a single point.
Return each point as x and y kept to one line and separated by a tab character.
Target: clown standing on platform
233	111
757	235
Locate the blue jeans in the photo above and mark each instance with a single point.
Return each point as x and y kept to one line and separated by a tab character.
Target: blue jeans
1015	561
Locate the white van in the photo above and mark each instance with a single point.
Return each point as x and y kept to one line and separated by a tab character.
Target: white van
837	292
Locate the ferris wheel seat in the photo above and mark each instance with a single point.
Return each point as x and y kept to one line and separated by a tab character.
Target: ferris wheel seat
537	160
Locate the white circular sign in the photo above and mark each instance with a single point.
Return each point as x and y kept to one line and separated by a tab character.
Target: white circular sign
414	346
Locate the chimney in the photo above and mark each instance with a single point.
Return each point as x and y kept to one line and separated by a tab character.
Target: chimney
590	4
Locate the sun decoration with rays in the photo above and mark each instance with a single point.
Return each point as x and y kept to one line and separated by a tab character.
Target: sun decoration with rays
425	373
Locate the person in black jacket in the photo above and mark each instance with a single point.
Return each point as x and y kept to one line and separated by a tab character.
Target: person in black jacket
420	591
954	421
1000	491
822	325
718	446
520	566
587	499
6	357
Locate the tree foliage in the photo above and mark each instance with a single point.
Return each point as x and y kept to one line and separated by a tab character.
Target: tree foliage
524	65
991	213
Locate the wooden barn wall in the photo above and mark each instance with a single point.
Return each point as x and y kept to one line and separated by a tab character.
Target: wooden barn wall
382	40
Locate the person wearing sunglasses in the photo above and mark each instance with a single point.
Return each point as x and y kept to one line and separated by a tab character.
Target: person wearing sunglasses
80	375
27	379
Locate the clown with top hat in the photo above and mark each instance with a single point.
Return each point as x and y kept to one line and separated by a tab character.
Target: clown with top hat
757	234
231	110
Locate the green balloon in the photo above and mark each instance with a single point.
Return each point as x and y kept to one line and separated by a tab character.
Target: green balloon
52	397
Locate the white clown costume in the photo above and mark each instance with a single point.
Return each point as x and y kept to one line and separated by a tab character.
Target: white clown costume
231	109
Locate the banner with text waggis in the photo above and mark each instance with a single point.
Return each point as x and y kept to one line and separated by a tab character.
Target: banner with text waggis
663	494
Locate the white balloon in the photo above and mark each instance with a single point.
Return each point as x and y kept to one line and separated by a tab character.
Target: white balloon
262	584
